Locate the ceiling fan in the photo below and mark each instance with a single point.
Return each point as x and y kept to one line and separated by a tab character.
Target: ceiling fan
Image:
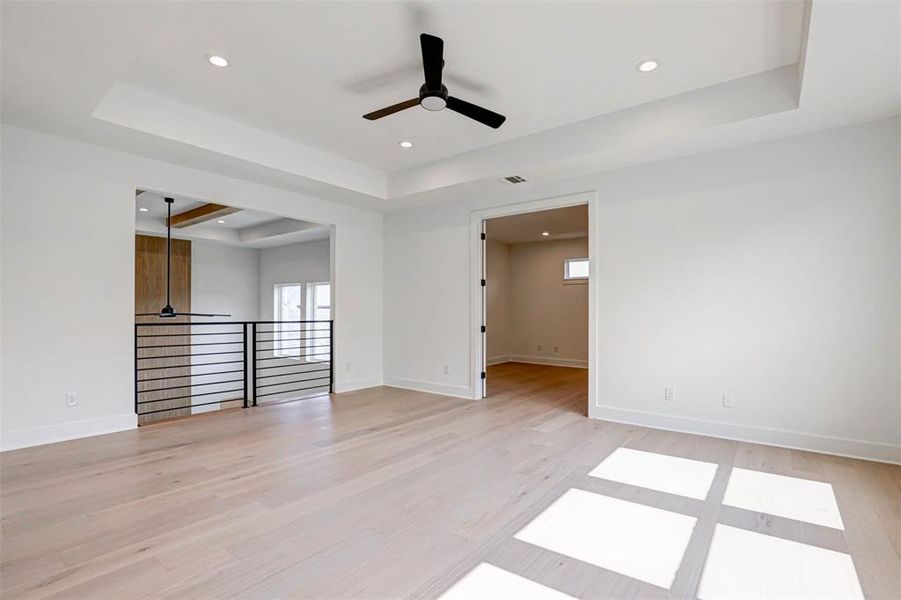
433	95
167	312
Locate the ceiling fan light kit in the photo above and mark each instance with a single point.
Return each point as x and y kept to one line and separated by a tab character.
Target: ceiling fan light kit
433	95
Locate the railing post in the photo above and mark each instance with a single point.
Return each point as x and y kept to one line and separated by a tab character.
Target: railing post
246	366
253	359
136	368
331	356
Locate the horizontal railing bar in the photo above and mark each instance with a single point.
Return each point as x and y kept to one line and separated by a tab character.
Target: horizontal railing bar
185	334
293	381
222	362
288	374
293	357
190	396
317	363
289	327
187	355
292	391
325	337
208	323
150	412
195	344
291	322
178	387
191	324
291	331
192	374
292	347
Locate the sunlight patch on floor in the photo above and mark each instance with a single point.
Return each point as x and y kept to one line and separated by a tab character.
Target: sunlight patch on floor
631	539
782	496
745	564
660	472
487	581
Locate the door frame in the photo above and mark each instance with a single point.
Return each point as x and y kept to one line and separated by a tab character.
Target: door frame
477	217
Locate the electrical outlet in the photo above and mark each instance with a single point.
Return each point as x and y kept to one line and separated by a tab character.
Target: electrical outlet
71	399
728	401
539	347
556	349
446	370
668	394
348	366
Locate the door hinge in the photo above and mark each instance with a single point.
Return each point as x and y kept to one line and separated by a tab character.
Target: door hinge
483	329
484	237
483	283
483	374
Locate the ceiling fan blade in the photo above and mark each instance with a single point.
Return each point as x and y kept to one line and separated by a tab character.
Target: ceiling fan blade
390	110
482	115
181	314
432	60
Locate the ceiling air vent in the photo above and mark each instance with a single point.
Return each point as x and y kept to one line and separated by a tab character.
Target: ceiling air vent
515	179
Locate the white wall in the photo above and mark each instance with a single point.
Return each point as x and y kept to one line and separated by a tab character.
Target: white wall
225	279
769	272
297	263
549	316
67	282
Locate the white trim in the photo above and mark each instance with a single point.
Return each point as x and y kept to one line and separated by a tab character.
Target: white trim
475	256
352	385
457	391
61	432
496	360
781	438
549	360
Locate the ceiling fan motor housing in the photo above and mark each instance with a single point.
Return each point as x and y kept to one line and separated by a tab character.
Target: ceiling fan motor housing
433	100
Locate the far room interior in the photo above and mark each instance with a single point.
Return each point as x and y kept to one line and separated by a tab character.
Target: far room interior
450	300
535	303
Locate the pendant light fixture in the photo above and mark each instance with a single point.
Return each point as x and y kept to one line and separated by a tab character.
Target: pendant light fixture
167	312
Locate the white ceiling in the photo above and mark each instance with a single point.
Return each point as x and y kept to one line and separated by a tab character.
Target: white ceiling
132	76
245	228
561	223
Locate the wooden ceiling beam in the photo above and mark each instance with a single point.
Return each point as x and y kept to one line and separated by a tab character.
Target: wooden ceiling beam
201	214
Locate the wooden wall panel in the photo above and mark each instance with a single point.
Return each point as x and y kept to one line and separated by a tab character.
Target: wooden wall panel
150	296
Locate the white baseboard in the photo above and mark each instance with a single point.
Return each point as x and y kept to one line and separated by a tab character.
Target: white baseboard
794	440
60	432
496	360
549	360
457	391
352	385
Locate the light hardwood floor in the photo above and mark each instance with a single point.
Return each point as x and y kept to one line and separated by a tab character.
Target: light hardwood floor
382	493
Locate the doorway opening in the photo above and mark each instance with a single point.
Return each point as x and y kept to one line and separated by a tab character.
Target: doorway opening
534	298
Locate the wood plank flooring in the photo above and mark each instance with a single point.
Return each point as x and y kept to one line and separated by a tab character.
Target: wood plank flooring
383	493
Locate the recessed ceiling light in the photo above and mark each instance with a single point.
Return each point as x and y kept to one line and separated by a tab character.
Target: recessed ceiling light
217	61
142	209
545	233
405	144
221	221
646	66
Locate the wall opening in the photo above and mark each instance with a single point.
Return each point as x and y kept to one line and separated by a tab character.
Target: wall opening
535	305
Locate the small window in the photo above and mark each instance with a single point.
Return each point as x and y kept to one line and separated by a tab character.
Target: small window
319	301
575	268
319	308
286	308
